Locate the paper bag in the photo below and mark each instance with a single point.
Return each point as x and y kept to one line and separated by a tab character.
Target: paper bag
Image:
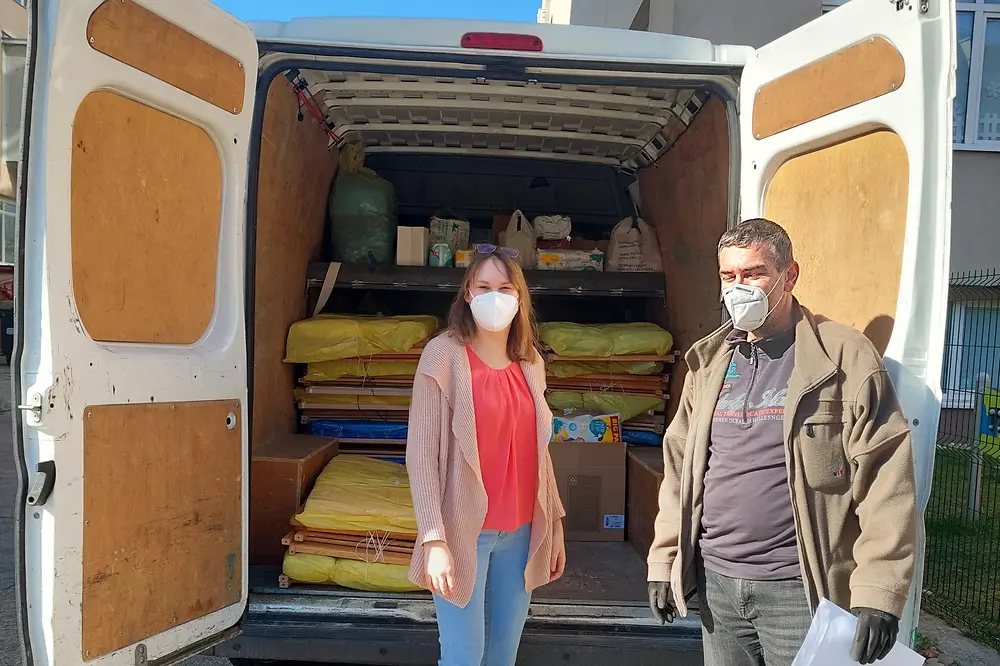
520	235
633	248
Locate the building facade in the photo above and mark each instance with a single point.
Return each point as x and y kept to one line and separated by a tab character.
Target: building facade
976	196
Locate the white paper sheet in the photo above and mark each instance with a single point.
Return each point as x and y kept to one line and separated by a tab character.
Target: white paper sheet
831	633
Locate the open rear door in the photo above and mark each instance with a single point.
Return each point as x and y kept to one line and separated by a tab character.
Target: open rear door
131	363
846	142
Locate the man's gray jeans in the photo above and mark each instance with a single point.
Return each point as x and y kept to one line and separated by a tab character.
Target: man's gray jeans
752	623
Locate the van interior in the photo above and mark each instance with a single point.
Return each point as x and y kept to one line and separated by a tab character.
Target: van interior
477	149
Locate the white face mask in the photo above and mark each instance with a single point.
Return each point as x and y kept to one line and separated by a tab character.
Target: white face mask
494	311
747	305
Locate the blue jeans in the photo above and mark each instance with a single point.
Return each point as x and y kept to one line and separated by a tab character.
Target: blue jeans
488	630
752	623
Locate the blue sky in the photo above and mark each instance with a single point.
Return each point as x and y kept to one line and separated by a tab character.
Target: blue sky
282	10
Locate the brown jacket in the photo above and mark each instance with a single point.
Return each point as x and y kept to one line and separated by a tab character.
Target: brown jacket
850	470
442	458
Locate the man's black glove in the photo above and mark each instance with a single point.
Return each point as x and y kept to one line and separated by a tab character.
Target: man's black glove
661	603
875	636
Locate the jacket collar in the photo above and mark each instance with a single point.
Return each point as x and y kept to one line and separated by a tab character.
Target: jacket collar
812	364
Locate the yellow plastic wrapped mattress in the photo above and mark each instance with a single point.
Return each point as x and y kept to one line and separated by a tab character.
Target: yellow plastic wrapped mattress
627	406
328	371
569	339
357	493
370	577
568	369
330	337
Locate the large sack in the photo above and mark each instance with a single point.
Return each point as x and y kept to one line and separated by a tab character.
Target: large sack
633	248
520	235
357	493
569	339
626	405
331	337
362	212
328	371
357	575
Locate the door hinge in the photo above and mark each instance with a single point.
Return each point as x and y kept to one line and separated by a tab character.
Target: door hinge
36	404
42	482
141	656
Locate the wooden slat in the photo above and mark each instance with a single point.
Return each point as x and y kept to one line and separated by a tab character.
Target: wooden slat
827	200
319	535
131	34
349	553
145	214
863	71
162	519
361	545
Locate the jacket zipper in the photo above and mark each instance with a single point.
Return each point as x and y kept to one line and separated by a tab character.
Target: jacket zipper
753	380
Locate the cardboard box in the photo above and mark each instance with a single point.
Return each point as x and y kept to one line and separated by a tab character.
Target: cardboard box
604	428
591	480
412	246
644	470
282	473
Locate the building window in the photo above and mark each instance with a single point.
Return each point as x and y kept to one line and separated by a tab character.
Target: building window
8	220
976	121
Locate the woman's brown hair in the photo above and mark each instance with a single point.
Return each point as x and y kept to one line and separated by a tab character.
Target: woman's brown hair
522	342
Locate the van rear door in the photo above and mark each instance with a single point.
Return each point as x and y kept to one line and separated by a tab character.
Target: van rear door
131	368
846	140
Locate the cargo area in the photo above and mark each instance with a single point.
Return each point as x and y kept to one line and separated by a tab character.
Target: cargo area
475	152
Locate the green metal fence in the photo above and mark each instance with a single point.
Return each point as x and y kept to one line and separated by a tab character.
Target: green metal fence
962	573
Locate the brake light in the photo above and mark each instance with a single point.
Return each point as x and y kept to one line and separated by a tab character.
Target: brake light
501	40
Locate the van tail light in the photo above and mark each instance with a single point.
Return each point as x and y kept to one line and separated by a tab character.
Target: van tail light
501	40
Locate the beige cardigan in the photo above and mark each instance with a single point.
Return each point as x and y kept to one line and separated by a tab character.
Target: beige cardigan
442	458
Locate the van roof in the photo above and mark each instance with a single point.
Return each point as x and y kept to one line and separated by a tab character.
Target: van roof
572	42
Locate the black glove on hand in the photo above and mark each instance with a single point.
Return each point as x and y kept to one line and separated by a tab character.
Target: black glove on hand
661	603
875	636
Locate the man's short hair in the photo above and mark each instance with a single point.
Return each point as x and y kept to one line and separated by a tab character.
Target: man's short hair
760	231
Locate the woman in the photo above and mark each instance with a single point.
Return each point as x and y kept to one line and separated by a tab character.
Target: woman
489	517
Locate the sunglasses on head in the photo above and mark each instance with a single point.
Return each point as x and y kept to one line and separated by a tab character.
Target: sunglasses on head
487	248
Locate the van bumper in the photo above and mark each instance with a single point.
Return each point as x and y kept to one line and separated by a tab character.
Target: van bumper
401	633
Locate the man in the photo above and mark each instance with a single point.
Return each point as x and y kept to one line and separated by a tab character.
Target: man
788	473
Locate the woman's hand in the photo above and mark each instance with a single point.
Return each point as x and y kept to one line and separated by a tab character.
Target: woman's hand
557	563
439	569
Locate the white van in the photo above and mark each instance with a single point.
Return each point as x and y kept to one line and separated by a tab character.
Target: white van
176	170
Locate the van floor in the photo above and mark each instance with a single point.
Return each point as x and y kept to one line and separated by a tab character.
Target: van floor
595	572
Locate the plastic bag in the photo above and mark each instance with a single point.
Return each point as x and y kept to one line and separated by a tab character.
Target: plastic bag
553	227
448	228
626	405
633	249
328	371
570	260
358	429
357	575
520	236
569	369
360	493
362	212
329	337
569	339
828	642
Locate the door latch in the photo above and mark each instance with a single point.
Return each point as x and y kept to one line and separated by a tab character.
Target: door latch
34	405
42	483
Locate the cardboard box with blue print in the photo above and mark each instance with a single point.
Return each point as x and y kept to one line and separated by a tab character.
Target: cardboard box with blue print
591	481
583	427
